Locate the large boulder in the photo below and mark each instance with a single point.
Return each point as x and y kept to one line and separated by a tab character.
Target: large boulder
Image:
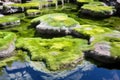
9	21
56	53
57	23
97	9
7	44
105	48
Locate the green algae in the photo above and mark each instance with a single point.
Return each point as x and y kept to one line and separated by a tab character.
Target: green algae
26	5
6	19
33	4
33	11
91	30
56	20
85	0
115	49
113	40
97	7
5	39
22	30
54	52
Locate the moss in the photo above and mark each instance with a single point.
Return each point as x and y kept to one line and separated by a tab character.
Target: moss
115	49
113	22
57	20
113	39
97	7
5	39
54	52
26	5
32	4
33	11
6	19
92	30
85	0
22	30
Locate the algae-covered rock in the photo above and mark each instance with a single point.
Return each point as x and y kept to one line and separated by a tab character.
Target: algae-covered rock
7	44
56	53
9	21
32	5
57	23
32	12
88	31
97	9
84	1
106	48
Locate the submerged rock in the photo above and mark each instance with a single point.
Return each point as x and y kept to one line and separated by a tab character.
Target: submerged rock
97	9
57	23
7	44
56	53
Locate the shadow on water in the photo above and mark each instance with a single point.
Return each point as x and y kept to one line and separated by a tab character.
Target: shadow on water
110	66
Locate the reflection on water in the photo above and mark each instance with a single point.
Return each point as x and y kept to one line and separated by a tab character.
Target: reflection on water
87	71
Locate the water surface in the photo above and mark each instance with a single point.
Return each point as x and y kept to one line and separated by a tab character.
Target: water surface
87	71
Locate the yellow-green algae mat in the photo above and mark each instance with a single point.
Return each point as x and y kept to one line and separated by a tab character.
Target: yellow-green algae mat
56	53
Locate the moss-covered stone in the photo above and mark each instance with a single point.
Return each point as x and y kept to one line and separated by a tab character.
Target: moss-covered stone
33	4
9	21
57	23
26	5
90	30
114	41
32	12
6	38
97	9
7	46
57	20
106	48
81	1
56	53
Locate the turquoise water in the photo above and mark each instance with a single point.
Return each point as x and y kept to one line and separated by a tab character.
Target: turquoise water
86	71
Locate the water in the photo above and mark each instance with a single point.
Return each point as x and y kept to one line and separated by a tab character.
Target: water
86	71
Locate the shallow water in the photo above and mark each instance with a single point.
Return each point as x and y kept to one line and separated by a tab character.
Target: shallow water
86	71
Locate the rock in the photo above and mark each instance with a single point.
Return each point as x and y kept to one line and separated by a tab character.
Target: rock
1	15
7	52
9	21
97	9
89	31
11	10
82	2
6	8
57	23
32	12
7	44
105	48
